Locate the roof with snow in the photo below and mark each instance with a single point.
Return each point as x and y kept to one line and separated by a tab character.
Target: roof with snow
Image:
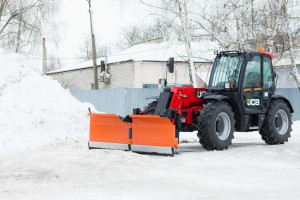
203	51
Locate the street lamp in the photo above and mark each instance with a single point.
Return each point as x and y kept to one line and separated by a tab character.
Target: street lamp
96	84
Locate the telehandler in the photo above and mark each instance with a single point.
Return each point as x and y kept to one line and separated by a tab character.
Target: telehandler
240	96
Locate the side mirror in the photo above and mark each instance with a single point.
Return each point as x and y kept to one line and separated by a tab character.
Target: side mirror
170	65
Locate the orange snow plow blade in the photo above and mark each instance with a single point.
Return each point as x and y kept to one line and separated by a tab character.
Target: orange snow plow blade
143	133
107	131
153	134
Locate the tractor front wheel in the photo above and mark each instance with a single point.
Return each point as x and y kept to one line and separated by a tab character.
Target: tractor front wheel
276	127
216	126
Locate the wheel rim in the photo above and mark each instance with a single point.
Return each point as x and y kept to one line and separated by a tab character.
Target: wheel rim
223	126
281	122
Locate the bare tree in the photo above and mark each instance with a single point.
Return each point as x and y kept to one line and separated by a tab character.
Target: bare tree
85	49
272	16
289	32
235	24
178	12
138	33
130	36
217	24
239	26
184	18
21	22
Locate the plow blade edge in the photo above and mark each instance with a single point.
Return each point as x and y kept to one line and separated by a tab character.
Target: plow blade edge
141	133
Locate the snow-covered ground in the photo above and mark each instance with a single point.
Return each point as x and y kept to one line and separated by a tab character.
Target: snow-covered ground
44	154
34	108
66	169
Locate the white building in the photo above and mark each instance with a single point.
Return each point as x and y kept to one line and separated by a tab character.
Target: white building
140	66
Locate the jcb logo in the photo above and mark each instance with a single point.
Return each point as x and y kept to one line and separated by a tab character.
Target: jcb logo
253	102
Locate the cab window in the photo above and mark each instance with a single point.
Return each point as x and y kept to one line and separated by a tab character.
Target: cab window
268	75
253	74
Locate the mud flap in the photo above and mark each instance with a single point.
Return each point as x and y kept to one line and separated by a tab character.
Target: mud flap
107	131
142	133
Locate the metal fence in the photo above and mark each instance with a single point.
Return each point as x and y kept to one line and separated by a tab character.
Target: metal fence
121	101
293	95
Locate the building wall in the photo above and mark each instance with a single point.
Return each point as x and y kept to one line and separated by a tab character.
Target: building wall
130	74
122	75
75	80
155	71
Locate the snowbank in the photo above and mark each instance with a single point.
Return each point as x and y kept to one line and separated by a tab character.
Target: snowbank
35	109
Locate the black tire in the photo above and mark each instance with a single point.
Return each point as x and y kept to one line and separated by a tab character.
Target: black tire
150	109
276	127
216	126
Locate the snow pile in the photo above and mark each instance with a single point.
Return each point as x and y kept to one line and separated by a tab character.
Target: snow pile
35	109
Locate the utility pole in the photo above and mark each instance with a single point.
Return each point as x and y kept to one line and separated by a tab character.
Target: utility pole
44	57
96	84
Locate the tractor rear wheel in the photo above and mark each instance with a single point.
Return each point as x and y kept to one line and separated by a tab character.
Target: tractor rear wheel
276	127
216	126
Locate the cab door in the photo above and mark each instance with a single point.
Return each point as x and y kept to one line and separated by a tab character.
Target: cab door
258	84
252	85
268	87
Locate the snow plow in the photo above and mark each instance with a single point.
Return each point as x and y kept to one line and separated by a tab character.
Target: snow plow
138	133
240	96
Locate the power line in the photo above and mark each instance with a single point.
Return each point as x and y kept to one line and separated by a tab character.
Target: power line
82	58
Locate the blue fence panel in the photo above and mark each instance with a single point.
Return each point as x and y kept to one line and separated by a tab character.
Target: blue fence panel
121	101
293	95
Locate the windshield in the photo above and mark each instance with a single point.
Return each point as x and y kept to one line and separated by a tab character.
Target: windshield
226	69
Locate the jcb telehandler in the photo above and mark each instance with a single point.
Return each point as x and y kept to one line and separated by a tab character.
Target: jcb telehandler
240	96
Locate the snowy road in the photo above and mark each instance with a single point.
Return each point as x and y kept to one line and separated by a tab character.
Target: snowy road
68	170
